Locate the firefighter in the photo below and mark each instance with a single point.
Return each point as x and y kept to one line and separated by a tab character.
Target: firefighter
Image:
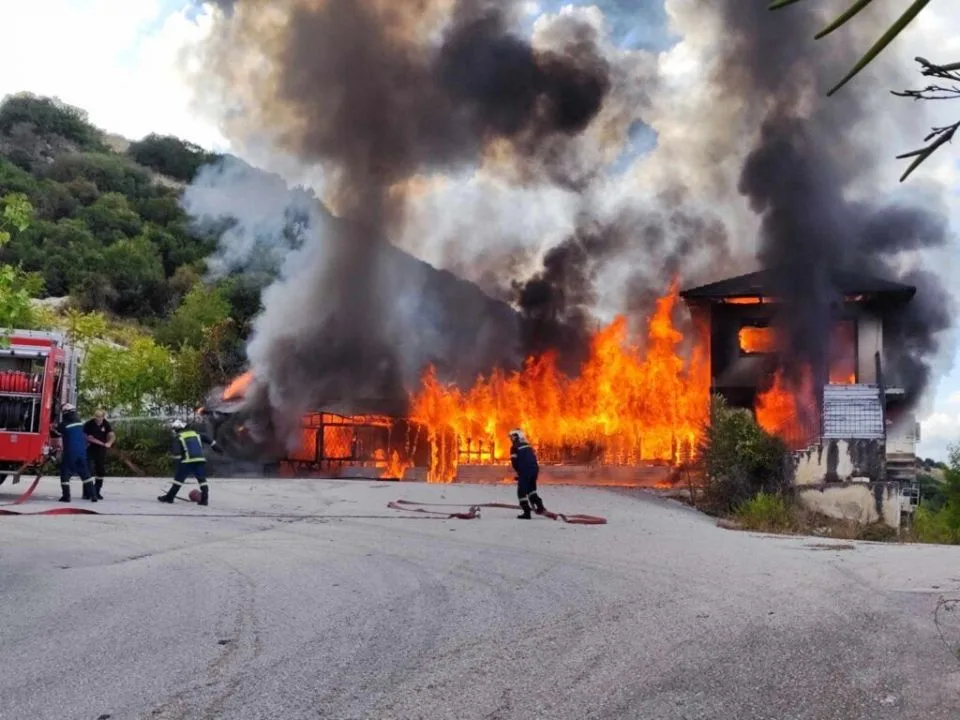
524	461
73	456
188	452
100	436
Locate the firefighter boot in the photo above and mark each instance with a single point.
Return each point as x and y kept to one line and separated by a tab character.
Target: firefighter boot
204	495
171	494
525	506
90	492
64	492
98	486
86	490
537	503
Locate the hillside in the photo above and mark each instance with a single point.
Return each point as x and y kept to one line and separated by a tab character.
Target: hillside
108	232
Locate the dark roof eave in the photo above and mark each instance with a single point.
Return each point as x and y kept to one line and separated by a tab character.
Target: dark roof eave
756	284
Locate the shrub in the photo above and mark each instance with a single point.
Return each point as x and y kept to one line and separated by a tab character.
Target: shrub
766	512
740	459
145	444
934	526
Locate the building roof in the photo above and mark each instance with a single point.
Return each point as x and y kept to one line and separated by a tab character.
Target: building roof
763	283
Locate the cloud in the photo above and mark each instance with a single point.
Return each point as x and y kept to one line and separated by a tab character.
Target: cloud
119	60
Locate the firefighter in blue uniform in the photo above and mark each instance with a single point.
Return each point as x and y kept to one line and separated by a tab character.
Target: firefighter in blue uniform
73	458
524	461
187	450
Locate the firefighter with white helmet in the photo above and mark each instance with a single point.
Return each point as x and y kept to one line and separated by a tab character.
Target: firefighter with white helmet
187	450
524	461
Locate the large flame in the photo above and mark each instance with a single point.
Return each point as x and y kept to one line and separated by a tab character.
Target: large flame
789	411
629	403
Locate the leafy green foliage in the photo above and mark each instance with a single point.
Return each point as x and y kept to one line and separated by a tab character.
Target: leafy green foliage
142	447
766	512
939	521
106	228
170	156
201	308
135	380
740	459
16	287
40	116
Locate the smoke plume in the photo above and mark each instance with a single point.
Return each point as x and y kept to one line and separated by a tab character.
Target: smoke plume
808	157
377	91
516	158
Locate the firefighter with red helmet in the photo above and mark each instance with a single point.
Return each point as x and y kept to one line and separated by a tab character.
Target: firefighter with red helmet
524	461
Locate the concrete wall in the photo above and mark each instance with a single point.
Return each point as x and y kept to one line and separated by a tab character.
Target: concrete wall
857	501
869	342
839	461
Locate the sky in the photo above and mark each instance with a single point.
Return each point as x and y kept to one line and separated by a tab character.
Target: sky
126	63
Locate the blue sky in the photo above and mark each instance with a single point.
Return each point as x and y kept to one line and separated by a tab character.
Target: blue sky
122	62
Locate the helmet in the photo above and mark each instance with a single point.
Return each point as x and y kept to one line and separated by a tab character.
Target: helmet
67	407
517	435
177	424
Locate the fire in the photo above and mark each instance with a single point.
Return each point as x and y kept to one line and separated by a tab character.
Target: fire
629	403
788	412
238	386
394	467
757	339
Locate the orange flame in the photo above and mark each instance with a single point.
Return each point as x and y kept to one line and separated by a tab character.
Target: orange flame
788	412
757	339
394	467
238	386
628	404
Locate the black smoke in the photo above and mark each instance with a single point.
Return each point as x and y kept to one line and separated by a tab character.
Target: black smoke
797	178
375	92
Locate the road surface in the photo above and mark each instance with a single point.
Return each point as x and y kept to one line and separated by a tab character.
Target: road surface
310	599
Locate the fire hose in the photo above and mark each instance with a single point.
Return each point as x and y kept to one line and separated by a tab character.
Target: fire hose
473	512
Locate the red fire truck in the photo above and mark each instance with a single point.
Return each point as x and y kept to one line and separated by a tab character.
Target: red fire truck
38	374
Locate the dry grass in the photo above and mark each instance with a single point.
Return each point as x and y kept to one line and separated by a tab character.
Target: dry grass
775	514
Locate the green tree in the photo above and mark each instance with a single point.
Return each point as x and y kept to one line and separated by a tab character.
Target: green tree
202	308
949	72
134	380
170	156
47	116
133	269
741	460
110	218
16	287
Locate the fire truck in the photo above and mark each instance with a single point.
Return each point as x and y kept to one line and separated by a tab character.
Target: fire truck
38	374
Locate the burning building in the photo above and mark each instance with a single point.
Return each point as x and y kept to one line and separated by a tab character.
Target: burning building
635	411
858	425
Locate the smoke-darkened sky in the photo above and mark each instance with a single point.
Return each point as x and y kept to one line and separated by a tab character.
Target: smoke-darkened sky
509	147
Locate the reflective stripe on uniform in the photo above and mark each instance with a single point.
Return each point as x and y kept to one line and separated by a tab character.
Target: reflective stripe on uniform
187	457
72	425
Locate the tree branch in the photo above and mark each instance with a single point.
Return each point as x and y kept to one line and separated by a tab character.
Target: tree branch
939	136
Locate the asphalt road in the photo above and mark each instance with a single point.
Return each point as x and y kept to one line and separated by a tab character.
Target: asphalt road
324	612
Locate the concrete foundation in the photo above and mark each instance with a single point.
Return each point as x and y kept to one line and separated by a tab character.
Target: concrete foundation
860	502
839	461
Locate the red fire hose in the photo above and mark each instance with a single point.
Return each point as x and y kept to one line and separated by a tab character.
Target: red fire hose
474	512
